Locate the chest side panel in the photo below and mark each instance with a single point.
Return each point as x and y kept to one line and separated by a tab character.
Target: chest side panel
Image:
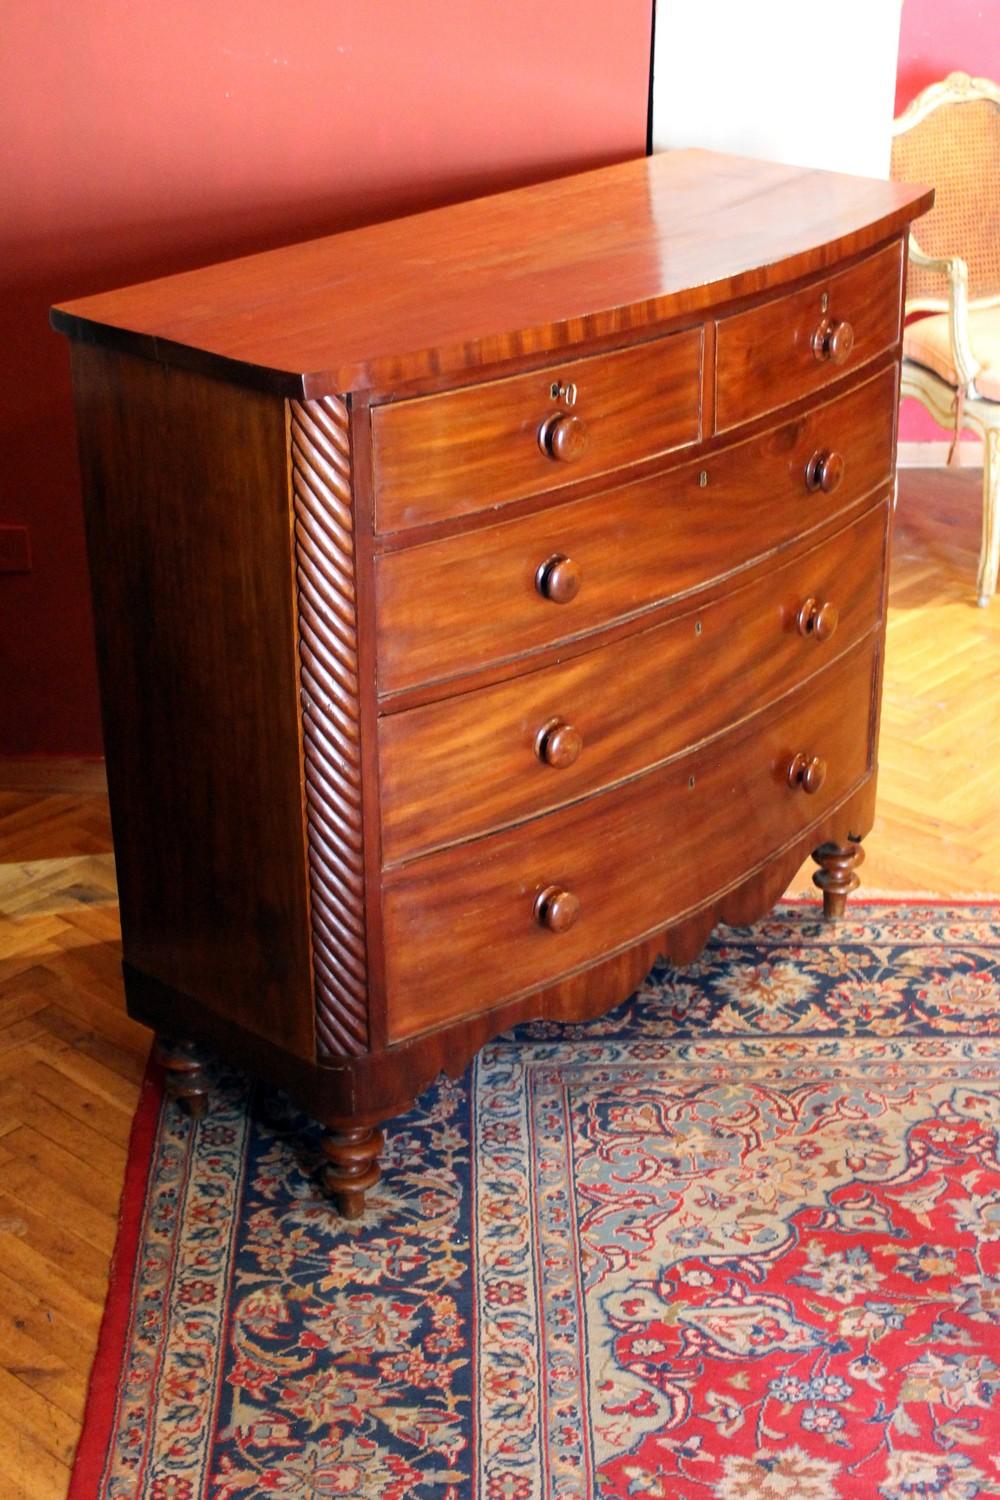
185	484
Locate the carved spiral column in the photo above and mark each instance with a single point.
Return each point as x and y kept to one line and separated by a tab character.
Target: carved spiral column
328	652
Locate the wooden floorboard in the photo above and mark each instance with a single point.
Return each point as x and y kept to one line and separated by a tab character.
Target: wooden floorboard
71	1061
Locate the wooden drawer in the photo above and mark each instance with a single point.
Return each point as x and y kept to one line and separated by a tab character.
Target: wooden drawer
468	600
460	929
453	769
476	448
783	349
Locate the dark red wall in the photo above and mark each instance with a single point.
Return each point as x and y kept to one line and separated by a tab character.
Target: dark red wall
939	37
143	138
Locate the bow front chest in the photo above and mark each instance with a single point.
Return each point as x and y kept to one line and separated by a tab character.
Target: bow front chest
486	602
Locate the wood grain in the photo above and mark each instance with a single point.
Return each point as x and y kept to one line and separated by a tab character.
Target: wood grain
70	1063
460	930
766	357
468	764
465	601
188	531
478	447
331	731
937	826
524	273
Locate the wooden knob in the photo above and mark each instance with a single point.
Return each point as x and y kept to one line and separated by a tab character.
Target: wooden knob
558	579
558	744
556	909
817	620
833	341
824	471
564	437
807	772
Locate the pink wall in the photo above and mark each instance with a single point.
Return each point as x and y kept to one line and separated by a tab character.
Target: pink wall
141	139
936	39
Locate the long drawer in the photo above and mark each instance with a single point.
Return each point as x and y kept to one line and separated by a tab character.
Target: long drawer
799	343
484	596
464	765
478	447
462	929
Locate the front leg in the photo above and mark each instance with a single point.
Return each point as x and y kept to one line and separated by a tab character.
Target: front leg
186	1080
352	1166
837	875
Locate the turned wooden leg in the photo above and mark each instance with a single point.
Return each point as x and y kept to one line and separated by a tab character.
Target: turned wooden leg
185	1077
837	875
351	1166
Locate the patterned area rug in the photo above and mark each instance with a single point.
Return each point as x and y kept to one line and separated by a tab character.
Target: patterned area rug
738	1240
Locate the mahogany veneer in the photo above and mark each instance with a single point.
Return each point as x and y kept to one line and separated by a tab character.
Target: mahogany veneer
474	448
486	602
712	519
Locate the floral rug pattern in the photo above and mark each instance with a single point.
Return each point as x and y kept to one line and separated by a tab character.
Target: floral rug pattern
737	1240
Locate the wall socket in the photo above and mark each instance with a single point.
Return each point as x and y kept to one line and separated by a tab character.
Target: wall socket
15	549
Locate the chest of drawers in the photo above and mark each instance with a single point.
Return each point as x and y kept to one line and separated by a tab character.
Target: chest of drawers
486	602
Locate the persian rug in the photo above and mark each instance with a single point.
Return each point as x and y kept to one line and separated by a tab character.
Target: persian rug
737	1240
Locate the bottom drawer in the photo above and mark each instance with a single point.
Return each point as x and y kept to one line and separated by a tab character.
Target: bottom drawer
461	928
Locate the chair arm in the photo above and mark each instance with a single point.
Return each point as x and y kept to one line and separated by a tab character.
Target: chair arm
954	268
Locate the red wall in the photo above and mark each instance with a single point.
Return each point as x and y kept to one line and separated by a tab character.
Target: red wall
939	37
144	138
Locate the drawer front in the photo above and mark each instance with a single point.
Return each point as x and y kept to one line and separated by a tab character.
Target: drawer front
461	933
469	600
475	448
786	348
460	767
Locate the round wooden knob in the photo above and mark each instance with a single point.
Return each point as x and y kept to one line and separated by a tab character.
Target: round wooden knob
558	579
556	909
817	620
833	341
558	744
564	437
807	772
824	471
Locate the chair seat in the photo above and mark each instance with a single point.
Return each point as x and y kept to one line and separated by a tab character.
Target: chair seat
926	342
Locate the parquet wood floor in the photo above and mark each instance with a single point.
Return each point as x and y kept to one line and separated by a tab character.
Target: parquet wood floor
71	1061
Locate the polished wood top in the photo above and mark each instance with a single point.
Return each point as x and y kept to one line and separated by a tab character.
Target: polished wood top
520	273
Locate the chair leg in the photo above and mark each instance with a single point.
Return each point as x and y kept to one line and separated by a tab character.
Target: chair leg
989	557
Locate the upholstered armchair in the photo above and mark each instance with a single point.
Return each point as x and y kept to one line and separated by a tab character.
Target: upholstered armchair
950	137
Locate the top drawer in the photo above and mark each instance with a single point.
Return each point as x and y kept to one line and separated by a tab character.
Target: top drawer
437	457
790	346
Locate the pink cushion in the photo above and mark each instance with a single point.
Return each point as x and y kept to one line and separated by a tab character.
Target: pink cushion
926	342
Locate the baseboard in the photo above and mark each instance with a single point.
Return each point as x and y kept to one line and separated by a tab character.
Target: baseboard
935	455
54	774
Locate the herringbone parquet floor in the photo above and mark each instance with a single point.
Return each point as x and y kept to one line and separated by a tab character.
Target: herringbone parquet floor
71	1061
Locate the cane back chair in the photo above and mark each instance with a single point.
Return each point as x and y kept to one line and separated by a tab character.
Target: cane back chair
950	136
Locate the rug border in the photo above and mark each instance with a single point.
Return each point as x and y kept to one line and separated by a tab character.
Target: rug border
102	1387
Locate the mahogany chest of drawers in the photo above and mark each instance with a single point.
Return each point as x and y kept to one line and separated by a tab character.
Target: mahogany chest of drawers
486	602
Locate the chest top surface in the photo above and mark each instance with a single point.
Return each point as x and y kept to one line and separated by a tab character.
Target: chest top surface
458	289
